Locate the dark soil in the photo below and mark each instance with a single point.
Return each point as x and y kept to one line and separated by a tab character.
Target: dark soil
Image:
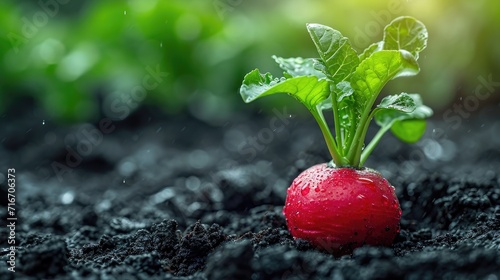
163	198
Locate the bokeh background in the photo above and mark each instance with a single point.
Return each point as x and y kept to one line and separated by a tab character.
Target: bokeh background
84	60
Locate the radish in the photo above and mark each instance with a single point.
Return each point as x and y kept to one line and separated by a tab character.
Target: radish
341	208
342	205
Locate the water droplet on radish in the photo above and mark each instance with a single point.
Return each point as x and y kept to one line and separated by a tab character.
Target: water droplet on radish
365	180
368	182
305	191
385	200
360	196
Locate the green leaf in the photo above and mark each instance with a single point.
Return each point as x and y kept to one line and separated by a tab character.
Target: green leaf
342	90
375	71
349	84
338	61
404	114
307	89
393	107
335	50
370	77
375	47
409	131
348	120
298	66
421	111
402	102
405	33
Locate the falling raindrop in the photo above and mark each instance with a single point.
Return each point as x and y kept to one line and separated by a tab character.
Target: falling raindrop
124	13
43	122
124	181
161	44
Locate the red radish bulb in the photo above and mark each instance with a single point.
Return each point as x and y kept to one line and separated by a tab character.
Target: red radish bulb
339	209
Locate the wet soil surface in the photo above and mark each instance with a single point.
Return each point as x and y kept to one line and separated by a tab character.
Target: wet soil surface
158	198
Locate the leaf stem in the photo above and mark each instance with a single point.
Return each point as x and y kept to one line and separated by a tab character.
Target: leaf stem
357	140
330	142
358	148
373	143
351	132
336	121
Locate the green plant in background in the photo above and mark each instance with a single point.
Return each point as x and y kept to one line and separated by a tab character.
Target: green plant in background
94	51
65	64
349	84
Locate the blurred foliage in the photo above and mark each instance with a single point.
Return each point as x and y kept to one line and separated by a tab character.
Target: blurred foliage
82	60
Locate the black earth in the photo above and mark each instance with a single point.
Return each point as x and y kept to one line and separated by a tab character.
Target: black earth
156	197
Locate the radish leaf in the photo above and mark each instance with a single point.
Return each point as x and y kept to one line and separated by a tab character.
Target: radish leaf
298	66
335	51
370	76
404	114
307	89
393	107
375	71
409	131
405	33
349	85
375	47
